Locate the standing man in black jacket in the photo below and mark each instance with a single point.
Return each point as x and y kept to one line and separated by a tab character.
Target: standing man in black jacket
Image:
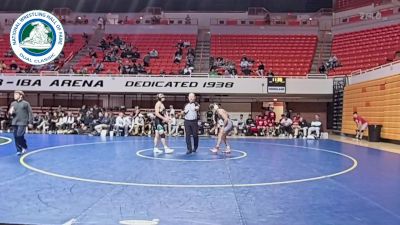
191	126
21	113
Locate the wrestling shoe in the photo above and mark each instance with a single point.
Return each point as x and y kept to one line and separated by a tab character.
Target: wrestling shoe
168	150
227	150
214	150
157	150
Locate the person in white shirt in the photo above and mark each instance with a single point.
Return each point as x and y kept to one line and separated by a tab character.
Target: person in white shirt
127	124
315	125
119	123
62	120
70	121
240	125
286	125
138	123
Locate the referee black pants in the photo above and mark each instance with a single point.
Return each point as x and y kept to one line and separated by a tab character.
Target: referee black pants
20	142
191	128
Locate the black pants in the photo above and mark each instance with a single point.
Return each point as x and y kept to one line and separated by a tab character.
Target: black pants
20	142
191	128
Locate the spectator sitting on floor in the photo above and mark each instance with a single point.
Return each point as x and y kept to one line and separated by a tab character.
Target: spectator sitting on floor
153	53
260	69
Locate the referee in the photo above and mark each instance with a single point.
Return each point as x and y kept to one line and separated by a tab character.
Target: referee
191	126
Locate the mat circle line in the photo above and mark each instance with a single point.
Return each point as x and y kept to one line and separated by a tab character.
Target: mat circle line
293	181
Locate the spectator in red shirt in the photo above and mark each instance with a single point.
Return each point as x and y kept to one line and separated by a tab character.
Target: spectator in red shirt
361	125
296	125
269	125
260	125
271	114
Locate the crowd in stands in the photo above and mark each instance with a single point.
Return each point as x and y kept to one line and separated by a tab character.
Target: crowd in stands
221	66
124	57
138	122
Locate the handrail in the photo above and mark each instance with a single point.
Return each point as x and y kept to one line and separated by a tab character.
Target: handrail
194	75
359	71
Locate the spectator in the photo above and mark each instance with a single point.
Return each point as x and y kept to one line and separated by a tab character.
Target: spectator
36	120
250	125
270	73
177	58
14	66
93	61
103	123
245	65
240	126
71	70
260	69
186	44
146	60
286	125
153	53
68	38
45	122
101	23
322	69
99	67
303	127
9	53
315	126
188	20
92	53
3	66
119	123
213	73
138	123
187	70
